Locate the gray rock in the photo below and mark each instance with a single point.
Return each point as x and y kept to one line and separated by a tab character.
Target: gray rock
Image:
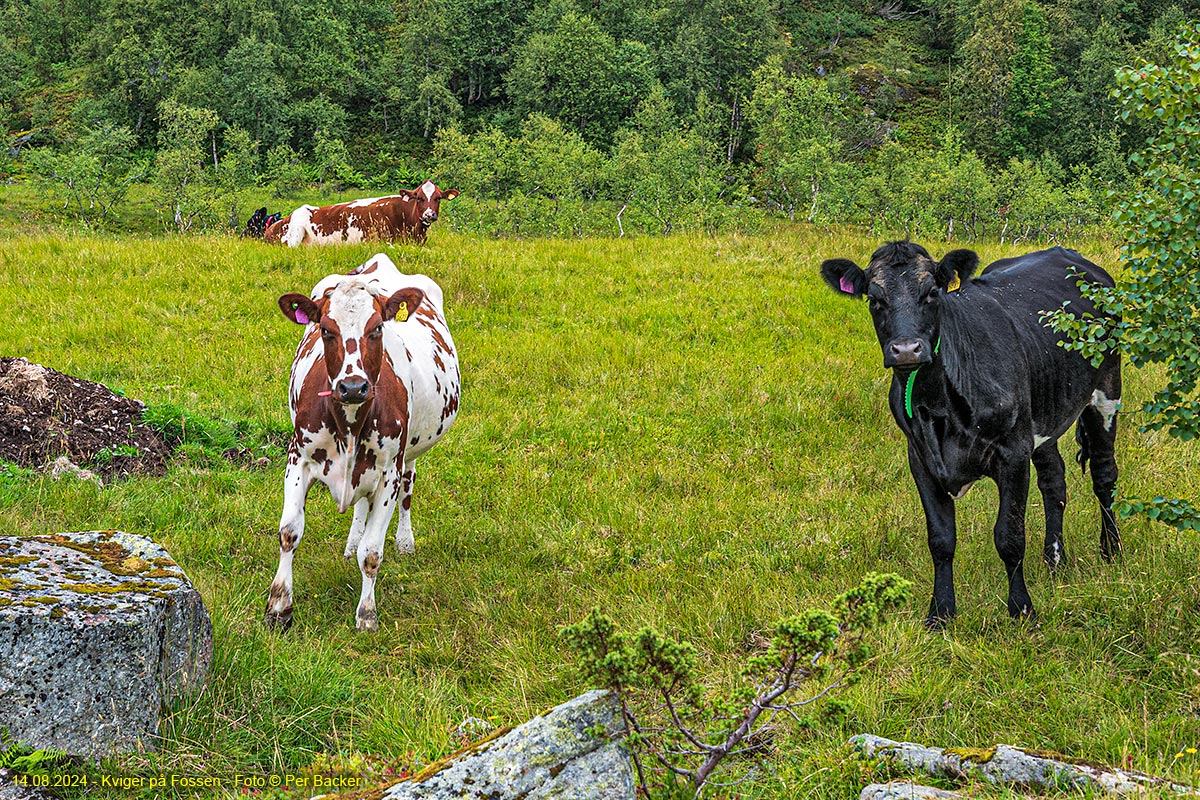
97	631
556	755
11	788
1012	766
906	790
65	466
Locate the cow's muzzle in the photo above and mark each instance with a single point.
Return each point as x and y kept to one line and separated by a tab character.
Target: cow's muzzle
352	390
906	353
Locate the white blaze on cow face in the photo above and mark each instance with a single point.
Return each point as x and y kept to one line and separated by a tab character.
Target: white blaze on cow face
352	332
429	198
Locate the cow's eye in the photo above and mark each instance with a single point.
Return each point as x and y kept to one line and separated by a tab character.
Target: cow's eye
876	300
931	295
326	333
377	331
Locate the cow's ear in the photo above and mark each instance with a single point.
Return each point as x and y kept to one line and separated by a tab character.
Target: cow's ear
844	277
450	195
402	305
956	268
299	308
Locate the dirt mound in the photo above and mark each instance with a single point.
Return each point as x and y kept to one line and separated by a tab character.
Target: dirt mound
45	415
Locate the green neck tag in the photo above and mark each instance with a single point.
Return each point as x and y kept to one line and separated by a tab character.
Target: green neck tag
912	377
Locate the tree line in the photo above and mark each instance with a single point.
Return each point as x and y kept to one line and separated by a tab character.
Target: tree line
952	118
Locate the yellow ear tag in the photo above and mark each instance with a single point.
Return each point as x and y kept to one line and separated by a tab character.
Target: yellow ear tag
954	284
402	313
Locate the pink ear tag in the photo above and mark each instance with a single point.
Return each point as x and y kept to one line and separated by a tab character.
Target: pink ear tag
846	285
302	318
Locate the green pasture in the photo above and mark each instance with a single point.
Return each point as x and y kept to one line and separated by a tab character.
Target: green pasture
686	432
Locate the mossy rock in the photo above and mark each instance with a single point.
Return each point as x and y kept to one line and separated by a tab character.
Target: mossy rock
97	631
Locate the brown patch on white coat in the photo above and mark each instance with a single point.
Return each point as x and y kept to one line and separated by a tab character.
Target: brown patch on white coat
362	414
405	216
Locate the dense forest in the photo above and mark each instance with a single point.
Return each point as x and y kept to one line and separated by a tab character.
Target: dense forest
946	117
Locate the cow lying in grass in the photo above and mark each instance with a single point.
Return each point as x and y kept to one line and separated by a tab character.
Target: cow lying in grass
405	216
980	387
374	385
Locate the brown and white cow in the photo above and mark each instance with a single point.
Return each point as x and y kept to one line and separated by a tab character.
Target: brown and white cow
407	215
374	385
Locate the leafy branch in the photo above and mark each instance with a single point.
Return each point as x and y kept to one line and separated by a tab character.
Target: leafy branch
1152	315
675	731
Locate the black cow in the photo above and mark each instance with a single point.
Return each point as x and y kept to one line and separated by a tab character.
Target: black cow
980	386
257	225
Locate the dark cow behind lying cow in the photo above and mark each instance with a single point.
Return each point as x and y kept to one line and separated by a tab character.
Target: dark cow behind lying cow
258	223
980	386
406	216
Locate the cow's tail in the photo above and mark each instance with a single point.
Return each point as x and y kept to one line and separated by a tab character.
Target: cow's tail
1085	452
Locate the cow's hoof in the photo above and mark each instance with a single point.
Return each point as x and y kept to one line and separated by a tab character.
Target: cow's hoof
939	614
368	622
1026	616
279	621
1055	558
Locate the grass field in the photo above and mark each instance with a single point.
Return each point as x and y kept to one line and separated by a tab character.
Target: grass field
686	432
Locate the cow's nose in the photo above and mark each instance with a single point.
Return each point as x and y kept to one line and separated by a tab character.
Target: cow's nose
904	353
353	390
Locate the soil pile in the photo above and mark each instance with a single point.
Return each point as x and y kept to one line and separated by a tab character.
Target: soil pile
45	415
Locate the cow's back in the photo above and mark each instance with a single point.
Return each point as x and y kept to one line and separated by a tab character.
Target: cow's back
1005	305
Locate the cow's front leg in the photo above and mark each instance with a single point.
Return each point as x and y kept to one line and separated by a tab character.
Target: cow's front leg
361	510
296	483
1009	533
370	548
940	527
404	531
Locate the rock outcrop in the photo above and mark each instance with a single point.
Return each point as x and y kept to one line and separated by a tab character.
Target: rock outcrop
569	752
97	631
11	788
906	790
1011	766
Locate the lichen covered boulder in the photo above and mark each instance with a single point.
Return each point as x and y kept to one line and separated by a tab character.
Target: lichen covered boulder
1013	766
906	790
572	751
97	631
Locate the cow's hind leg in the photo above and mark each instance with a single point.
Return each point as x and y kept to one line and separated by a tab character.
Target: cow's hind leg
1098	432
291	528
404	531
1009	534
361	509
1052	482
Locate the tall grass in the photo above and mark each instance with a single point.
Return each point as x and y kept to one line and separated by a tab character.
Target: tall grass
687	432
